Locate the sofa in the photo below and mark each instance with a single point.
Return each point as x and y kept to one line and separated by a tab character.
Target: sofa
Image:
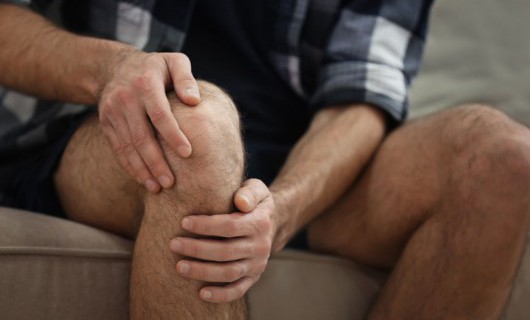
51	268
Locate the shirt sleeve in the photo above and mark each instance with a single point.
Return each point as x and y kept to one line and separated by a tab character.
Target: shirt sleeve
37	5
373	53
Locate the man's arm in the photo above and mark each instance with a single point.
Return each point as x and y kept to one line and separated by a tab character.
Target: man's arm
40	59
369	59
323	165
43	60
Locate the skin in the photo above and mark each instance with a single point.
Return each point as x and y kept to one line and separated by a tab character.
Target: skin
322	184
127	85
158	291
444	207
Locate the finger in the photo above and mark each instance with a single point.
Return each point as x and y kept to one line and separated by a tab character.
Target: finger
122	159
250	195
183	81
228	225
126	148
159	111
220	225
149	150
227	293
213	250
213	271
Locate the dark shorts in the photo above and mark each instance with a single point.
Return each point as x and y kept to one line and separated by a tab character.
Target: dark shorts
26	180
26	177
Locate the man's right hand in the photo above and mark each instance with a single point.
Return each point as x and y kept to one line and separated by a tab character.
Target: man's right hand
128	85
132	98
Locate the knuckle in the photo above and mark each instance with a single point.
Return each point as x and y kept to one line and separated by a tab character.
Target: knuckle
123	97
186	78
139	137
230	274
235	272
143	173
106	110
128	166
104	105
118	149
157	115
263	249
155	167
264	224
153	58
143	82
127	148
181	57
241	270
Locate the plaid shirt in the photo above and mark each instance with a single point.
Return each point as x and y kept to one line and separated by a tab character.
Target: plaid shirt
361	51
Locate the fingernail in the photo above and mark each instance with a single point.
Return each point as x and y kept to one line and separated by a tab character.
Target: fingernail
245	198
184	267
151	185
192	92
187	224
164	181
175	245
184	151
206	294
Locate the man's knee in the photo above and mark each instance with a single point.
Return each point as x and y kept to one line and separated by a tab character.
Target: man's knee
470	128
214	171
486	139
489	161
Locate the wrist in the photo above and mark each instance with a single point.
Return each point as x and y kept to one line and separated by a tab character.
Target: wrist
116	54
284	227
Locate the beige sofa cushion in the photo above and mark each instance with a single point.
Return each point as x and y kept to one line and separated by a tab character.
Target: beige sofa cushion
56	269
51	268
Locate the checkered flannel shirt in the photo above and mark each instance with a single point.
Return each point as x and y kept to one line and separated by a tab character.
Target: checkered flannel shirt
328	51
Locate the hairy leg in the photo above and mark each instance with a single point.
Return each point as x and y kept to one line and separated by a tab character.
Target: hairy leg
96	191
445	203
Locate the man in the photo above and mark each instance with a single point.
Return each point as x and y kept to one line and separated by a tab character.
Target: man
442	201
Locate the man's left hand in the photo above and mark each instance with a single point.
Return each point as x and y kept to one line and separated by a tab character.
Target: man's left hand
240	255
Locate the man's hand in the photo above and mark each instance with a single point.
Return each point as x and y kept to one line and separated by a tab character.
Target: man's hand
240	254
133	96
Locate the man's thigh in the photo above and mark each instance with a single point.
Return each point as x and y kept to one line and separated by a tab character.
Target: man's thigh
404	184
92	186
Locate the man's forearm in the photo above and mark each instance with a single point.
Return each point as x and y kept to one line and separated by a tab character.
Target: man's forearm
41	59
324	163
128	85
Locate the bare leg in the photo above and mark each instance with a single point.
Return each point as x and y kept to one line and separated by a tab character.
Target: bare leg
445	202
96	191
